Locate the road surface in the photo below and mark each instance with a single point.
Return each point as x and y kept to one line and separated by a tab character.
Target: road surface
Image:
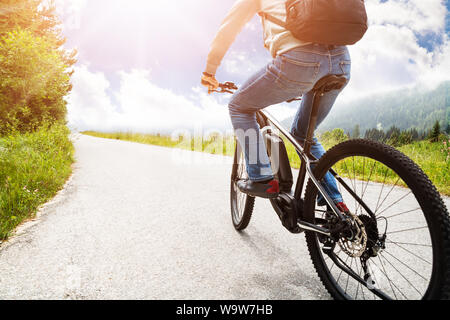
144	222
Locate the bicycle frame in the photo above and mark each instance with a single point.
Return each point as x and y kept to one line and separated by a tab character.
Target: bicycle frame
306	170
307	159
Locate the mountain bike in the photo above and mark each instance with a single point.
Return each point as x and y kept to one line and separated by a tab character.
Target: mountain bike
393	244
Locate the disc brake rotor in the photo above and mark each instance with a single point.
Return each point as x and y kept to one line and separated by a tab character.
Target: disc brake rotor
356	245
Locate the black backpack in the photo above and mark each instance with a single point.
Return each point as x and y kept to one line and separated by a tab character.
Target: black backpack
330	22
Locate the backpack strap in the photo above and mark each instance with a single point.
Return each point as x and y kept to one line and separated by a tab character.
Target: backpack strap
272	19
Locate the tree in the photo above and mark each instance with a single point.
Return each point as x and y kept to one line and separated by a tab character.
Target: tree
414	134
435	132
35	69
375	134
334	137
393	136
356	132
405	138
33	82
38	17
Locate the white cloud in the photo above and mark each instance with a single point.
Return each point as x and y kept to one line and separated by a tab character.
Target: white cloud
420	15
89	105
141	105
71	11
390	57
243	62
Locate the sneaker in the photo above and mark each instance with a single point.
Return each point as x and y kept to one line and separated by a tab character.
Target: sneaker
343	207
263	189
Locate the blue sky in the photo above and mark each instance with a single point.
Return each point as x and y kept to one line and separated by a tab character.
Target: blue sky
140	61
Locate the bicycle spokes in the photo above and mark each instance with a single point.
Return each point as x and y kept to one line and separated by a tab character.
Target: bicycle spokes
241	203
392	252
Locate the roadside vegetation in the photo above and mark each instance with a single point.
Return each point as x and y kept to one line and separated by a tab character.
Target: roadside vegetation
432	155
214	144
33	168
35	150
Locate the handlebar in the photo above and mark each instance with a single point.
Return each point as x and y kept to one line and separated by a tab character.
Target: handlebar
228	87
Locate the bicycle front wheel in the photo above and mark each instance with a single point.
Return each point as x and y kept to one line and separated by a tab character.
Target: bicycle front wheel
241	203
401	246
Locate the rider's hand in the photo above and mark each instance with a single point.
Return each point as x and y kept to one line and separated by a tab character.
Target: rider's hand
209	81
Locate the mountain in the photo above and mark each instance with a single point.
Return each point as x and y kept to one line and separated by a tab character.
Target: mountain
406	109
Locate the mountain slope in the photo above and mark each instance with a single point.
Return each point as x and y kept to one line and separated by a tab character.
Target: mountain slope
406	109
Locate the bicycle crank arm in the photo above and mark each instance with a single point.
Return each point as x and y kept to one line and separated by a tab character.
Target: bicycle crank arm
314	228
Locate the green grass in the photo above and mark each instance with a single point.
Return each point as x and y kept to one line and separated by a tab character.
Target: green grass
433	162
428	156
214	144
33	168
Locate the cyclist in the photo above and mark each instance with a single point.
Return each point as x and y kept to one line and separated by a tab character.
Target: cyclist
294	70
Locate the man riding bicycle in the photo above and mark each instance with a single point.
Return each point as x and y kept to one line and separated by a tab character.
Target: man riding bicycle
307	40
295	69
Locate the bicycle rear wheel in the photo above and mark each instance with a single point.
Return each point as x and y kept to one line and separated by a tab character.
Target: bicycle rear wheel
241	204
403	242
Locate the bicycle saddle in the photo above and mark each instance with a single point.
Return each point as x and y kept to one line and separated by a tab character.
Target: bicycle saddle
329	83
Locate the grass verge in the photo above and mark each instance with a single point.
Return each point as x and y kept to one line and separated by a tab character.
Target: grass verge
33	168
428	156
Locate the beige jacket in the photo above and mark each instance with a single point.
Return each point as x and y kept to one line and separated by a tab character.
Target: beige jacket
276	39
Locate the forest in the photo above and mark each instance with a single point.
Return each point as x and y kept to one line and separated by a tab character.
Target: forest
408	109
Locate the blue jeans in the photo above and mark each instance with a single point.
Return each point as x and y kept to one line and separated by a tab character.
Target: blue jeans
288	76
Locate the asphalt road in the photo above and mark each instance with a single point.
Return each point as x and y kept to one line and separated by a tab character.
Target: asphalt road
144	222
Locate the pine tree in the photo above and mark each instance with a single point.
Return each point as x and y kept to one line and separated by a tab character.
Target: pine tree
435	132
375	134
414	134
356	132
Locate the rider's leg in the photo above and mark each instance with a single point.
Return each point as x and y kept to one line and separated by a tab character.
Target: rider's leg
248	134
299	131
267	87
339	63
